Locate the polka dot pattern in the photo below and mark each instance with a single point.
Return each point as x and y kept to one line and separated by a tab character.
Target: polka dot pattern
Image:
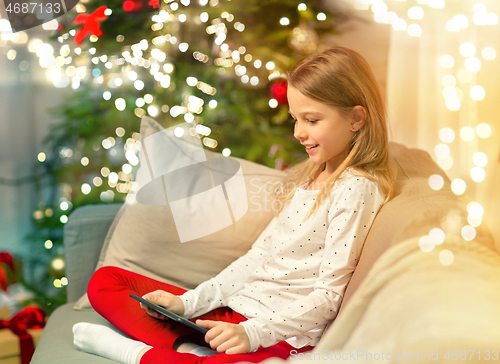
291	282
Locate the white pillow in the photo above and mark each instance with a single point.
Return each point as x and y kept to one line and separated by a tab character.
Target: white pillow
144	238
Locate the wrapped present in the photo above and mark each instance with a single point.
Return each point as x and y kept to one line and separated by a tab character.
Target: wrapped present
19	336
4	312
9	305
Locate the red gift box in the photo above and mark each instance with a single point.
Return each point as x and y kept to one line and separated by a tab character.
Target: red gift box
19	336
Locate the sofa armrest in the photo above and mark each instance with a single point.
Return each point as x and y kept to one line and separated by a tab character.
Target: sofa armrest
84	235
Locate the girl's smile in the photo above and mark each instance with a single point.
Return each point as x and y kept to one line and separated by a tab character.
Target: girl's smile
311	149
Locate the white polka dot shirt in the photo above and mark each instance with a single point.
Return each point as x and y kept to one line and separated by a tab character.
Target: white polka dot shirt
291	282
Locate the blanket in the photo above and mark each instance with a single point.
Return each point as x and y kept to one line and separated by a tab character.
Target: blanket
437	306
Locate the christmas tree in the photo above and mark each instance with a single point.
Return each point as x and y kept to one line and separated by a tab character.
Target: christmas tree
219	65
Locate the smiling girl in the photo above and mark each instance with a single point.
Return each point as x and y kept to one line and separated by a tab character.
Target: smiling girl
279	296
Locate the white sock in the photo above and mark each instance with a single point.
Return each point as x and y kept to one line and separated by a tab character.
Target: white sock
203	351
103	341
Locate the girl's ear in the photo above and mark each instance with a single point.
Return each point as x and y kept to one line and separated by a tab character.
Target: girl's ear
358	117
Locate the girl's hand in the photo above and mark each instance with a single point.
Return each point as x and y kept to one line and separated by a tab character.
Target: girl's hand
225	337
168	300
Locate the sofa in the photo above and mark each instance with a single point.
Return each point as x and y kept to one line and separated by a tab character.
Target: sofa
421	291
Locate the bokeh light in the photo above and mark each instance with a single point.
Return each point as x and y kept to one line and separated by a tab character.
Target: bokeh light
446	61
442	151
468	232
489	53
467	133
414	30
478	174
467	49
436	182
458	186
480	159
483	130
477	93
473	64
446	257
447	135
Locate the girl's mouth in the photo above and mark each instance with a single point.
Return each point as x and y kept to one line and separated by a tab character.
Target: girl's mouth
311	148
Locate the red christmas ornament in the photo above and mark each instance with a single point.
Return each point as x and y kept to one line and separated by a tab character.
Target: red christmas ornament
132	6
91	24
155	4
7	270
278	91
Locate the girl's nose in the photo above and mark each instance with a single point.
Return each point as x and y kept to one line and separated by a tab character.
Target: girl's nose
299	132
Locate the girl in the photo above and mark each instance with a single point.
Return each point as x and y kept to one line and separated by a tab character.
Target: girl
280	295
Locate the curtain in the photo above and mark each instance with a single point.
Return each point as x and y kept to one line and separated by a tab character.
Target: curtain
421	116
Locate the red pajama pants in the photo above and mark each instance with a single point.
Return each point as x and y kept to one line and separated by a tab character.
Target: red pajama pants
108	293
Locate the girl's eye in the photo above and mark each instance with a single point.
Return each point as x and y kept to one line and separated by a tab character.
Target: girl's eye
312	121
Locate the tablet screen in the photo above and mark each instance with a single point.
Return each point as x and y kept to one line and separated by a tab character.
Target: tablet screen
169	314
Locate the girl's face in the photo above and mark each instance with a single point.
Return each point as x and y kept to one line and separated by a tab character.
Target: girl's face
325	134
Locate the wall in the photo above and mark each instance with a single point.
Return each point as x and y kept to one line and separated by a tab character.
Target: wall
24	120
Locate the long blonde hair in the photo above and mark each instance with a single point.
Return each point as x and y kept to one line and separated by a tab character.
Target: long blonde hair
342	78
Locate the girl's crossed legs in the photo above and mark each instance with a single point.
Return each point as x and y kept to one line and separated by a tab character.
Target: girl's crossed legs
109	291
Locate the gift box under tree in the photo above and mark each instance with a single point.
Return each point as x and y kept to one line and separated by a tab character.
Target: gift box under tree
19	334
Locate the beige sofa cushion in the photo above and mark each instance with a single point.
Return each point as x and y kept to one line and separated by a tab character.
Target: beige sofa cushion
414	212
144	239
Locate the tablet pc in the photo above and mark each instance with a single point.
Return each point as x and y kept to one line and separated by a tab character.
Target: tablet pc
169	314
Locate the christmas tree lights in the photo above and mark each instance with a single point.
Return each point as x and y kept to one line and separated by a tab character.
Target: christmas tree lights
216	65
